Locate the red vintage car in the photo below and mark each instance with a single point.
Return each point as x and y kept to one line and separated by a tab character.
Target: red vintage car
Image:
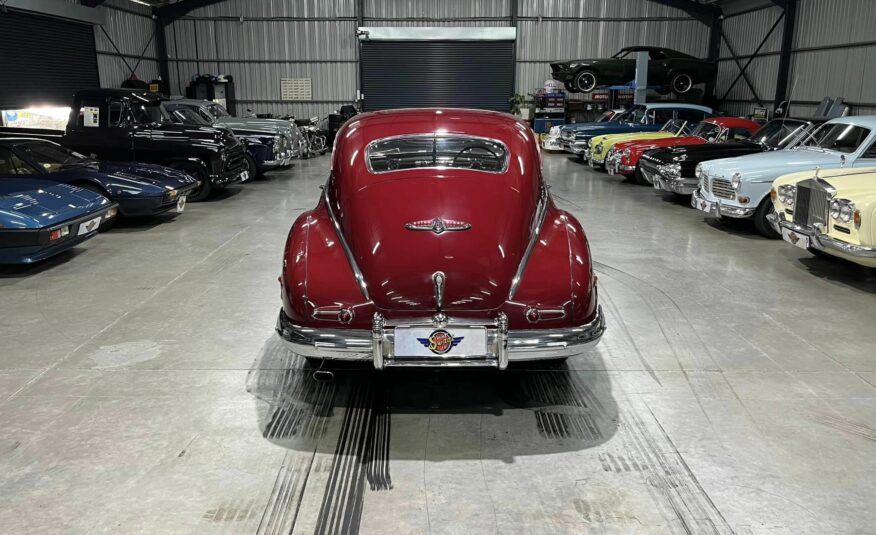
436	243
624	159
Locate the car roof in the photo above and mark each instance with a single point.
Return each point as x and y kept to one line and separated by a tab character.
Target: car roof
189	101
866	121
668	51
678	105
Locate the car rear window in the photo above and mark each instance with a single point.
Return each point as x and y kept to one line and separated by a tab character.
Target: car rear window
424	151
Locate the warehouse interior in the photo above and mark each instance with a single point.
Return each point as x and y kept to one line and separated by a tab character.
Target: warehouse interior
146	385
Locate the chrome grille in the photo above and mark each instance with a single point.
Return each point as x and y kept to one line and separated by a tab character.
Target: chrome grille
812	204
722	189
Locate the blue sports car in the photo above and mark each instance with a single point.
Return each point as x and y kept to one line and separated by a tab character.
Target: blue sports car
139	189
39	219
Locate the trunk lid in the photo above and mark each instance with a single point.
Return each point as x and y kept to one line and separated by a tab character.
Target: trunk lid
479	263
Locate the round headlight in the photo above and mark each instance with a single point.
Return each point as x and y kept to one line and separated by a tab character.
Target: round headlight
698	172
834	209
845	214
735	181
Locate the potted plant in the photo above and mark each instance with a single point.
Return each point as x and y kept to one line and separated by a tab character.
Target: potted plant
517	101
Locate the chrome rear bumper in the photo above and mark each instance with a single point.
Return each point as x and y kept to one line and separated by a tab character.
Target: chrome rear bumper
504	345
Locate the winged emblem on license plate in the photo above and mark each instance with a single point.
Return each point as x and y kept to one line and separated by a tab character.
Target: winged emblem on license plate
438	225
440	341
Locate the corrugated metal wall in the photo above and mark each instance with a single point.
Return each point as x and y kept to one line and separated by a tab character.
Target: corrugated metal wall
833	42
129	27
316	39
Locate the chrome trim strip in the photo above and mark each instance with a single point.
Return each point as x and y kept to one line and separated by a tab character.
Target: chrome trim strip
438	226
538	221
375	345
360	278
438	280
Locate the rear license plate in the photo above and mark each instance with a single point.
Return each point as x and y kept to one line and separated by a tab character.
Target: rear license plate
797	240
181	204
89	226
450	342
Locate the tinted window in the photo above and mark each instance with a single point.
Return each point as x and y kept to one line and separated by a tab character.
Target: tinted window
707	131
691	116
656	54
739	134
661	115
150	113
413	152
839	137
11	164
870	152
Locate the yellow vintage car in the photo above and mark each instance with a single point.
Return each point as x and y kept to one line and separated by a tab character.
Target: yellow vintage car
600	146
828	211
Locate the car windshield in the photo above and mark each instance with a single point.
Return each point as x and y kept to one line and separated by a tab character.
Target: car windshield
52	157
188	116
675	126
150	112
838	137
779	134
217	111
707	131
419	151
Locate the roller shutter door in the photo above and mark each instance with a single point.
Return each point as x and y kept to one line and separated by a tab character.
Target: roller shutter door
460	74
44	60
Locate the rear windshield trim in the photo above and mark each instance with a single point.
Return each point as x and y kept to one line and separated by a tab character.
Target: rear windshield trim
447	135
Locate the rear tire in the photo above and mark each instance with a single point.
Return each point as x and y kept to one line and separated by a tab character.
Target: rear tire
585	81
197	171
681	83
761	224
251	168
639	178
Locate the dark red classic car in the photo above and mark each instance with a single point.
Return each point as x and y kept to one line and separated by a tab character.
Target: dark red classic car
436	243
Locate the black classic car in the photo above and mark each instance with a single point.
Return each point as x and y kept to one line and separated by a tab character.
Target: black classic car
674	169
666	68
124	125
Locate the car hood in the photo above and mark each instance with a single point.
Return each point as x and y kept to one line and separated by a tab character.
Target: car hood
598	129
268	126
479	264
767	166
613	139
127	177
32	204
704	152
199	136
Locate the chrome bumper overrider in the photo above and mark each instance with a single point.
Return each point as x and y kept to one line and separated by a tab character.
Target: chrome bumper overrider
820	241
504	345
719	209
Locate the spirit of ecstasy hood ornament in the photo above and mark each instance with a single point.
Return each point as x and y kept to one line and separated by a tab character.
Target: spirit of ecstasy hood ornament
438	225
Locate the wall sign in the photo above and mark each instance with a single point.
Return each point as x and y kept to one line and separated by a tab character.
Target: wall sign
295	89
91	116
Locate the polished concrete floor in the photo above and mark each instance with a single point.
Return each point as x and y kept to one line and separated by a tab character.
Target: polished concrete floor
142	390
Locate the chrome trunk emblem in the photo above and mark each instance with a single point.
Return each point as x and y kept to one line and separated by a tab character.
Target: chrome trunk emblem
438	225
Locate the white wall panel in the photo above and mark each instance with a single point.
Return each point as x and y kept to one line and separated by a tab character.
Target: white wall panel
432	9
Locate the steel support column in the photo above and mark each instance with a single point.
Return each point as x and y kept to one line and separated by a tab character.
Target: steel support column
790	14
715	32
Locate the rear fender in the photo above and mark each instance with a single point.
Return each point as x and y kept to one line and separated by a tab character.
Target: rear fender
317	276
557	275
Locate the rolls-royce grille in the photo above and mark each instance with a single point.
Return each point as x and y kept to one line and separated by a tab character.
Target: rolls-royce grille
721	188
811	206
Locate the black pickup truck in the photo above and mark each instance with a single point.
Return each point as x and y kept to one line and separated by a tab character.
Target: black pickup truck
129	125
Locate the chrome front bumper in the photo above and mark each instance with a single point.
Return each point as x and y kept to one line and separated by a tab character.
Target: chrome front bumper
614	167
719	209
504	345
680	185
820	241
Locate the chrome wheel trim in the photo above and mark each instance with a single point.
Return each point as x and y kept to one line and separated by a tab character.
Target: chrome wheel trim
589	76
682	83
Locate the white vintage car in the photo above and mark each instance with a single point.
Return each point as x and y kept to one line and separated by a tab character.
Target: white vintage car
830	211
